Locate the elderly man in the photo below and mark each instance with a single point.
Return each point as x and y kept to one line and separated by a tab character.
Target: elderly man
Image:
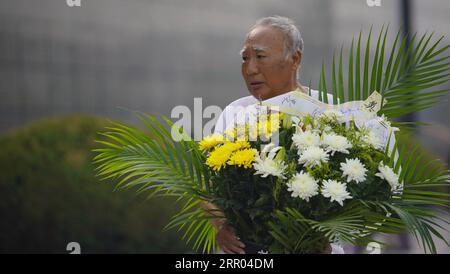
271	58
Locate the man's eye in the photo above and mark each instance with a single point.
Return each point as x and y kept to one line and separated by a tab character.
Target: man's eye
244	58
260	56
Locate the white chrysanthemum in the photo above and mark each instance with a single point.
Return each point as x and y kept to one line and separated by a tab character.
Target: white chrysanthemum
335	191
354	170
265	163
313	156
295	120
270	151
327	129
331	114
269	167
336	143
303	140
372	139
389	175
303	185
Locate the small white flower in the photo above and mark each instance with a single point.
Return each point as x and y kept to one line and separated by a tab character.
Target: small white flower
331	114
354	170
313	156
269	167
335	191
316	131
270	151
265	163
303	140
327	129
336	143
389	175
295	120
374	140
303	185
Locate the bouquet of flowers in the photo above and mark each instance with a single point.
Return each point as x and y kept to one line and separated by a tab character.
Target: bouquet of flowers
317	186
326	178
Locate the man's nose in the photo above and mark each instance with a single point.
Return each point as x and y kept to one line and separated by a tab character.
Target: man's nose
252	67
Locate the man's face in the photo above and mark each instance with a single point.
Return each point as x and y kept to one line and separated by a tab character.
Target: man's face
265	69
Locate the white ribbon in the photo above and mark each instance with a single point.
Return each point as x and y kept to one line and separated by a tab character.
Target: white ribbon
364	113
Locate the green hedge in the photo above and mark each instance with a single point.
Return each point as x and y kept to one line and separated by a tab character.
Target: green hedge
49	196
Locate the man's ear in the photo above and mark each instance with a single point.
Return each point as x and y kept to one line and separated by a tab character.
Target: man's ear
297	58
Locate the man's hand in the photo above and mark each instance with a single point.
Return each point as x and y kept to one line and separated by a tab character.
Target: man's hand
226	238
327	250
228	241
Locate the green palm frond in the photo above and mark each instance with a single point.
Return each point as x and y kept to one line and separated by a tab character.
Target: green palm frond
403	76
417	219
423	179
196	225
416	206
407	76
287	225
421	196
160	165
344	226
348	226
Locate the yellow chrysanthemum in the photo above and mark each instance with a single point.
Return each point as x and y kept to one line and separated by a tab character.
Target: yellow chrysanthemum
275	121
253	133
241	132
242	144
265	127
237	133
218	158
276	116
211	141
243	158
268	127
230	134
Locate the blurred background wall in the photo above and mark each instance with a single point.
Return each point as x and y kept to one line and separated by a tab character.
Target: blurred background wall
110	57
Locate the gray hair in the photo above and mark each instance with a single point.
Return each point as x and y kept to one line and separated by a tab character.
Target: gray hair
293	37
